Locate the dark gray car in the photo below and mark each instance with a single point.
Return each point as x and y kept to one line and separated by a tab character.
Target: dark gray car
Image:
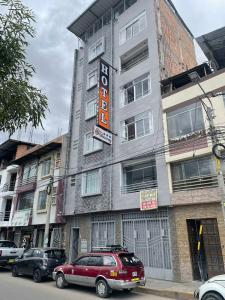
38	262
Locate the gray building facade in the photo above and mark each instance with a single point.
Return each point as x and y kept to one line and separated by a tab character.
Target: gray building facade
102	197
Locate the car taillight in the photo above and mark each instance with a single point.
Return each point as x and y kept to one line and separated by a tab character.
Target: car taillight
122	272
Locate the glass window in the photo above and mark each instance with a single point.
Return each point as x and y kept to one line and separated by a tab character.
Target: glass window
83	261
26	201
37	253
92	79
29	172
96	49
138	126
135	57
140	173
55	253
133	28
130	259
95	261
107	18
28	253
185	120
129	3
91	183
91	107
46	167
109	261
118	9
91	144
42	197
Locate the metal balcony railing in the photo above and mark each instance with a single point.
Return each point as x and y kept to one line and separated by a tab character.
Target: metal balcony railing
27	180
136	187
207	181
4	216
8	187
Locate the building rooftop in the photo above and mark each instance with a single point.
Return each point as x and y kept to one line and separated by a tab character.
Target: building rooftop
97	9
8	148
213	46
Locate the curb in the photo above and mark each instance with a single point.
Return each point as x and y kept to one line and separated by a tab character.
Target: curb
166	293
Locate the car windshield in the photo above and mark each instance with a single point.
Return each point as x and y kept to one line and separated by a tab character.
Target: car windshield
55	253
129	259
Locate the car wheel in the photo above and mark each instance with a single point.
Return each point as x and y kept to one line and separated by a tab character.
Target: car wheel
60	281
102	288
14	271
127	291
212	296
37	276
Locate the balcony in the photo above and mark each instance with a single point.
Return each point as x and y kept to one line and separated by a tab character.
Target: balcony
137	187
208	181
27	184
7	190
22	217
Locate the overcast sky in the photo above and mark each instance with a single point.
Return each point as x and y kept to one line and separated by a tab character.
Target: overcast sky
51	52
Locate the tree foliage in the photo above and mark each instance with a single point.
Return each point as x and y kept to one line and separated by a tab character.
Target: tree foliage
20	102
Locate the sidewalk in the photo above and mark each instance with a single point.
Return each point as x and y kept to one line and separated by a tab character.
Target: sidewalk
170	289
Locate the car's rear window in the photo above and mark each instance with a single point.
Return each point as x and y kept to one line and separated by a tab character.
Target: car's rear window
129	259
55	253
7	244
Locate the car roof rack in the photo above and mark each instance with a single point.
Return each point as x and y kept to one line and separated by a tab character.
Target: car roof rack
109	248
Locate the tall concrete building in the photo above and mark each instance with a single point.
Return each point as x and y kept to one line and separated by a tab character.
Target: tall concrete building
143	41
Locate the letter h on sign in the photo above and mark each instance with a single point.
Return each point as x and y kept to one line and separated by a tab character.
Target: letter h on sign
103	96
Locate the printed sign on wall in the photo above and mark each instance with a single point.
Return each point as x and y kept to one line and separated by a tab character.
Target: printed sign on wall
148	199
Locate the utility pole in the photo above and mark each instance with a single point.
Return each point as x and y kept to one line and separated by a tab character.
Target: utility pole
48	208
194	77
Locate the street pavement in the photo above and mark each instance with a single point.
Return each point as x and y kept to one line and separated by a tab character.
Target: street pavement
23	288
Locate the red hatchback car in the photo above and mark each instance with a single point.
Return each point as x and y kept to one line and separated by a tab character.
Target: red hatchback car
109	268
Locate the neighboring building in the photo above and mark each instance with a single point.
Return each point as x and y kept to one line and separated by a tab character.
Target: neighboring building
28	215
195	195
146	41
9	151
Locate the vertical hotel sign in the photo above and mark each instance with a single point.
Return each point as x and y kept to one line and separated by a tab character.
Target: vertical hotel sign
103	96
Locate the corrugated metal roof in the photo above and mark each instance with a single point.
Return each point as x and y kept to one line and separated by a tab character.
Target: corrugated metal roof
213	45
90	15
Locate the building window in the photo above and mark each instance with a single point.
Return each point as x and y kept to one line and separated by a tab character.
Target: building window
46	167
118	9
129	3
26	201
96	49
133	28
136	89
138	126
91	106
92	79
91	183
57	160
139	177
134	57
98	24
193	173
54	193
91	144
29	173
42	198
185	120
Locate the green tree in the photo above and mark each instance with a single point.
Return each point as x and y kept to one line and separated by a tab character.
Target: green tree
20	102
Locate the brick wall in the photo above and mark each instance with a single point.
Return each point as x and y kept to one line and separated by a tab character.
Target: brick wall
176	44
181	255
20	151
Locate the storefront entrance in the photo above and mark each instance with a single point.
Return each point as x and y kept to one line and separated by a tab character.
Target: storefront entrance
207	259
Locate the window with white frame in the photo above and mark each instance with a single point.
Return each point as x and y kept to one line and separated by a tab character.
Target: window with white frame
137	126
185	120
54	193
91	183
96	49
42	198
46	167
29	173
92	79
133	28
136	89
90	109
91	144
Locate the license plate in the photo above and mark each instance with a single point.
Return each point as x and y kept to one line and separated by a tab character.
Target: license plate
10	261
134	274
135	279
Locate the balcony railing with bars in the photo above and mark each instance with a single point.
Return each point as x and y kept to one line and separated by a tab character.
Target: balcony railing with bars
4	216
27	180
137	187
8	187
195	183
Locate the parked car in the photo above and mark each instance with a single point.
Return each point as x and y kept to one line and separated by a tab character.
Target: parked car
9	252
107	269
213	289
38	262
